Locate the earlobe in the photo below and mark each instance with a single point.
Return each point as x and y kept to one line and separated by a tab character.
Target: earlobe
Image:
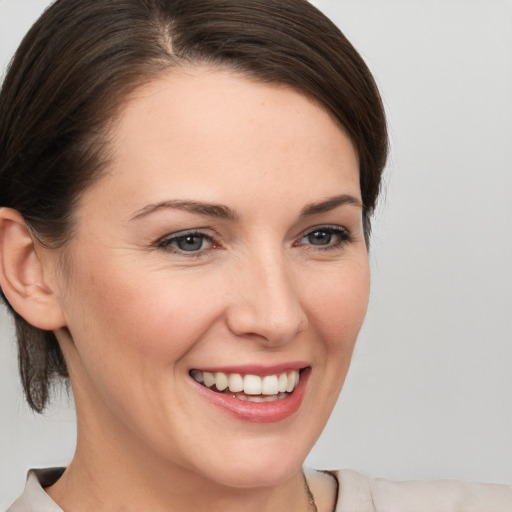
22	274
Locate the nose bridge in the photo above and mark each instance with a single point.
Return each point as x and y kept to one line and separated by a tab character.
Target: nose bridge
267	303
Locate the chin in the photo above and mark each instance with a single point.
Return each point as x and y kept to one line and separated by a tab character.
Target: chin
256	476
254	466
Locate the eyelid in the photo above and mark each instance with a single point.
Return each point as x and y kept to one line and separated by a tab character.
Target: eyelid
344	234
165	242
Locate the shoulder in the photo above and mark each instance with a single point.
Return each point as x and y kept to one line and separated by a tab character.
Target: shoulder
356	493
34	498
360	493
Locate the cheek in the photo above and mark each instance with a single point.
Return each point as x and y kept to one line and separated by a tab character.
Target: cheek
132	320
132	337
338	305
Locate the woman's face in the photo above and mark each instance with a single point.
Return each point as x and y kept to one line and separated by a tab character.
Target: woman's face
225	244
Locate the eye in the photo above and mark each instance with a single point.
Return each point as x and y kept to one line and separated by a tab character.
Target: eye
190	243
325	237
322	237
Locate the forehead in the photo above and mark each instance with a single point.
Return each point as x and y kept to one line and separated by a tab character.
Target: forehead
208	130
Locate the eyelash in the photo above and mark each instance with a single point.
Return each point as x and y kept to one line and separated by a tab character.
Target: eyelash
343	237
165	243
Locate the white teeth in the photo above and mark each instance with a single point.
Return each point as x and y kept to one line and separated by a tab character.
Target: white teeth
293	380
283	382
208	379
252	385
221	381
270	385
236	383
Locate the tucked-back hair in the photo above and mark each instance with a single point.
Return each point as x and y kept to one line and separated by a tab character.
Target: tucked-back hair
82	58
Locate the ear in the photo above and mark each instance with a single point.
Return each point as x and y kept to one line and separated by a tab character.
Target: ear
22	274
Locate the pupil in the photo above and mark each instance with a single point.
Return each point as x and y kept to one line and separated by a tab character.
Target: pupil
320	238
190	243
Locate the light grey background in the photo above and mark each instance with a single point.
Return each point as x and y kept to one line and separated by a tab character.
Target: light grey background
429	394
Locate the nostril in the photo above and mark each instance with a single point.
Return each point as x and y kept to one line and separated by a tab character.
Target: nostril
273	327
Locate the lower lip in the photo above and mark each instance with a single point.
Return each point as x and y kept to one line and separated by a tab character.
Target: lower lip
259	412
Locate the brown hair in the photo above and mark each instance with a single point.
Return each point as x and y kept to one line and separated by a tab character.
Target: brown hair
82	58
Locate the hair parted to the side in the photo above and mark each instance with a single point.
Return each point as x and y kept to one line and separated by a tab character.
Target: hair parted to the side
81	60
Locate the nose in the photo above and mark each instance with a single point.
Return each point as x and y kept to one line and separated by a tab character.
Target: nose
265	301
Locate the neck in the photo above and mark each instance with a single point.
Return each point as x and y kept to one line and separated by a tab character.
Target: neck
108	476
120	492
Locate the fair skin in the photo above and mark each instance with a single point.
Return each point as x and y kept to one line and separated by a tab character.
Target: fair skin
273	279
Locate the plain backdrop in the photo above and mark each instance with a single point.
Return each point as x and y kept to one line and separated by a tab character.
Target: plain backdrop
429	394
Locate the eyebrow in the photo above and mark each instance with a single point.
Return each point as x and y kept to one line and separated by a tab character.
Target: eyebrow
220	211
209	210
331	204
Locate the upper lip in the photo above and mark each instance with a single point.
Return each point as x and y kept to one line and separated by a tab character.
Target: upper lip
255	369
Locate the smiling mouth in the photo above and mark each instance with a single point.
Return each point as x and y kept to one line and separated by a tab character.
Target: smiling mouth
250	388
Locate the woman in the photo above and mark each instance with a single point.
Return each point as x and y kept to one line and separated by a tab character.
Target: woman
187	190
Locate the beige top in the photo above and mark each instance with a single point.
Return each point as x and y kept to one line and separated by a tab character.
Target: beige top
357	493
